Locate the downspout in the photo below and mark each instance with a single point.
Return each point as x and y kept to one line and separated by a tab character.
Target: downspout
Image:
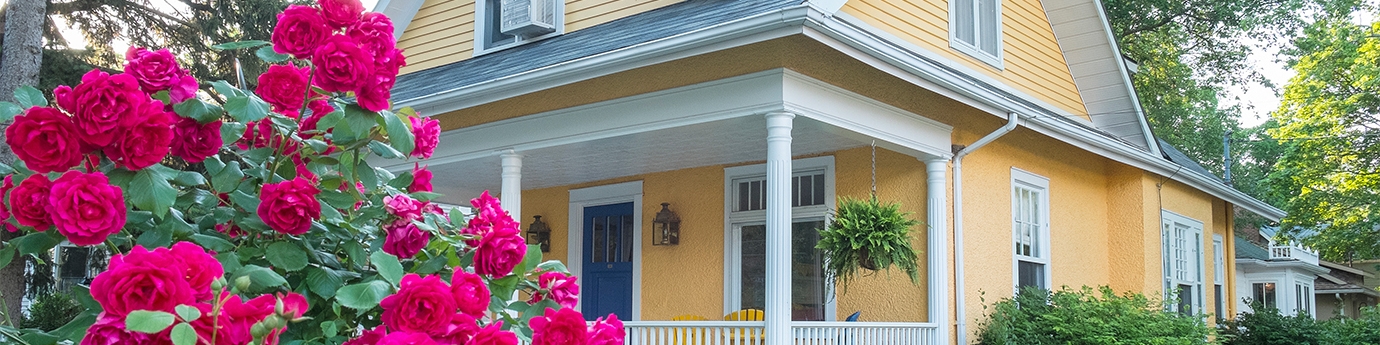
959	297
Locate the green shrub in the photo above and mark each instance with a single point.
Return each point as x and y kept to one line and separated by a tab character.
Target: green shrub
1087	316
1266	326
1364	329
51	311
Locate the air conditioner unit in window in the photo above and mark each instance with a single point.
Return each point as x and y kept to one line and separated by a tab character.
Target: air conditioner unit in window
527	18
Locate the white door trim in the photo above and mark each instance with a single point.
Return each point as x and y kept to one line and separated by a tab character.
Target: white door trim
605	195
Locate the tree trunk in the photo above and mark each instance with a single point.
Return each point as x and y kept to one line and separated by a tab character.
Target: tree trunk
23	54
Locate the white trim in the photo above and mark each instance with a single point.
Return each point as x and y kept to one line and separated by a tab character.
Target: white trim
973	49
1168	221
400	12
481	28
1021	179
605	195
733	221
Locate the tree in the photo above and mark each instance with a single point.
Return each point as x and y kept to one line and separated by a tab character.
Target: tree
23	55
1329	123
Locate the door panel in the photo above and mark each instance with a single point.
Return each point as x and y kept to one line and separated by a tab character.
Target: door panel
608	261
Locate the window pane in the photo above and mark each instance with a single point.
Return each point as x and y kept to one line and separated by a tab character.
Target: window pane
495	30
627	238
990	42
74	262
964	21
819	190
1220	310
1185	299
754	267
600	240
743	193
1264	293
807	275
1030	275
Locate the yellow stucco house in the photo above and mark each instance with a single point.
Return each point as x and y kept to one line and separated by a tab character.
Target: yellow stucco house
1009	127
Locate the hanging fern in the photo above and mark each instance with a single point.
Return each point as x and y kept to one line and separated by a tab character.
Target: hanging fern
868	234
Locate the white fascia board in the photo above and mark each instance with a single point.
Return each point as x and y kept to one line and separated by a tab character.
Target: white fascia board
400	12
828	7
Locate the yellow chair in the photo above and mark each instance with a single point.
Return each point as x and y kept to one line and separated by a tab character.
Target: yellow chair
745	335
688	335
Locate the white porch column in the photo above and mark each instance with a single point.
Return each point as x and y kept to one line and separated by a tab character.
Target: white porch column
778	303
938	260
511	193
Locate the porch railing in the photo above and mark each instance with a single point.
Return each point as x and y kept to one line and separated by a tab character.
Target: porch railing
1294	252
804	332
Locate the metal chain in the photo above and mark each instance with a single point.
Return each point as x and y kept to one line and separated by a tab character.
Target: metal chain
874	168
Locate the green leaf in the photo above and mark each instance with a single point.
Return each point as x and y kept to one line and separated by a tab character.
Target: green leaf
150	191
189	179
75	330
29	97
231	132
399	135
261	277
325	282
267	54
529	261
150	322
198	110
554	266
213	243
159	236
225	89
183	334
246	108
355	126
37	242
162	96
8	111
187	313
7	255
248	202
367	175
287	256
338	199
384	150
230	261
328	329
239	45
388	266
363	296
228	178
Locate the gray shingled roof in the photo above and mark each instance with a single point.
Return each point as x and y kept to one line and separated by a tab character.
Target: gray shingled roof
1176	156
636	29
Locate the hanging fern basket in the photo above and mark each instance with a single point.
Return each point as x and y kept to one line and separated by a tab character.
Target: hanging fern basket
868	234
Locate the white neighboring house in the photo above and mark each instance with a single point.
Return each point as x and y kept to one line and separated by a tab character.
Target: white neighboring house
1278	274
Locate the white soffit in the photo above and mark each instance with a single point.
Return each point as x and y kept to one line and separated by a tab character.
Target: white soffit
400	12
1098	70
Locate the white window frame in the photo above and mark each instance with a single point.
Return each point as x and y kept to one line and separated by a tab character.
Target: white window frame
1021	179
1219	275
481	29
974	49
734	222
1194	239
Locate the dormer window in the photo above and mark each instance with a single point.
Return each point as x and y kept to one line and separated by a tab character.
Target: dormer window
975	29
501	24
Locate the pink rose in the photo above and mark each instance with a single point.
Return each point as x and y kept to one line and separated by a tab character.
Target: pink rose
284	87
183	89
421	179
406	338
341	65
5	190
404	240
299	32
368	337
62	95
607	331
155	70
499	252
420	305
428	134
559	287
100	103
45	139
294	304
260	134
110	330
225	331
142	280
489	215
461	329
147	137
86	208
559	327
374	95
289	206
342	13
494	335
242	315
194	141
29	202
404	207
373	33
202	268
471	294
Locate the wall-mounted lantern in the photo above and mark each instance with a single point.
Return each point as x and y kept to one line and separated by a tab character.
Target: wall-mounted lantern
666	227
539	233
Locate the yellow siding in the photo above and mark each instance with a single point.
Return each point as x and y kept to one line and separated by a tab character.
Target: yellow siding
1033	62
443	30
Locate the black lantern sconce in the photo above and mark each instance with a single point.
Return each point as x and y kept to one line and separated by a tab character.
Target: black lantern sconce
666	227
539	233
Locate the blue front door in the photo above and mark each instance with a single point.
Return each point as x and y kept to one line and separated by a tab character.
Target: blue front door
608	261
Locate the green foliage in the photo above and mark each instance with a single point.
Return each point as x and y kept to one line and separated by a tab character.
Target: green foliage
868	234
1086	316
51	311
1266	326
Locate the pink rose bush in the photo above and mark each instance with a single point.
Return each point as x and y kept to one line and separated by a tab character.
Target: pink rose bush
272	214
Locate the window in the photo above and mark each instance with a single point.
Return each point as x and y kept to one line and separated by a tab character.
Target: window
1264	293
488	35
1030	229
1219	278
745	275
1303	298
975	29
1183	262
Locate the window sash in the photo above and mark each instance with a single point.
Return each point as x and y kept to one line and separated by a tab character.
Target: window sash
810	289
1183	261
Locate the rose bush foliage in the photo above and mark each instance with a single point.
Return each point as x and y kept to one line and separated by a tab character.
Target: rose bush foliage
260	217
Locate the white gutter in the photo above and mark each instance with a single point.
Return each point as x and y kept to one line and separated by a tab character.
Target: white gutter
959	295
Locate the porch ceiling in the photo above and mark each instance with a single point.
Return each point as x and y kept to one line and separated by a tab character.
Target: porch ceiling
720	142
